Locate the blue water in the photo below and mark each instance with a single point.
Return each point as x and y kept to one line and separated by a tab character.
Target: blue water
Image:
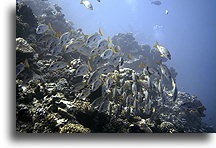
188	31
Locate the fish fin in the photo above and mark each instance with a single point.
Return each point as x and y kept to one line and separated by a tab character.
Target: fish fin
142	65
113	50
89	66
109	40
160	62
117	49
101	32
81	2
173	82
156	44
162	55
27	63
65	46
50	27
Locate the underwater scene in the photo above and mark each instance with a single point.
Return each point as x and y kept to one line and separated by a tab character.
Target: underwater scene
115	66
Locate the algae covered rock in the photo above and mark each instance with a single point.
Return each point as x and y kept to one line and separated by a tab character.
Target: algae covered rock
23	50
74	128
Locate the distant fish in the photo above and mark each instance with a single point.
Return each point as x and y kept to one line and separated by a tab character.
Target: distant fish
93	39
64	38
58	65
156	2
42	28
107	54
83	69
87	4
19	68
166	12
98	0
96	85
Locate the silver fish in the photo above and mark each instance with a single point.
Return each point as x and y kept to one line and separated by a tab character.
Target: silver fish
104	107
19	68
109	82
73	46
84	93
103	45
93	39
56	50
96	85
81	70
87	4
107	54
156	2
42	28
93	78
163	50
106	69
64	38
58	65
78	86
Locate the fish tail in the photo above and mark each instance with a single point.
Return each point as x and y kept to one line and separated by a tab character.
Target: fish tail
156	44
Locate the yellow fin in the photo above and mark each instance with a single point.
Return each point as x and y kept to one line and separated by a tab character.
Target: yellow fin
113	50
101	32
115	76
159	63
50	27
156	44
27	63
129	56
142	65
109	40
162	55
89	66
117	48
153	109
173	83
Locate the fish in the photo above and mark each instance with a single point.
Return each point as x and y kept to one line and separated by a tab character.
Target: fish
94	76
115	60
42	28
81	70
166	72
156	2
174	93
78	86
104	107
87	4
134	89
166	12
109	82
106	69
135	106
85	93
101	32
64	38
19	68
107	54
96	85
103	45
73	46
58	65
94	51
56	50
85	50
163	50
93	39
121	61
